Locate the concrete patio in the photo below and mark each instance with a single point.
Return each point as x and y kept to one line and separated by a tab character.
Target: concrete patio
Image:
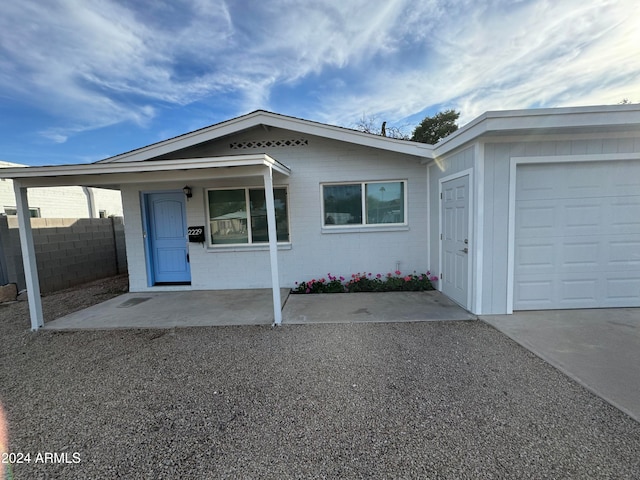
174	309
254	307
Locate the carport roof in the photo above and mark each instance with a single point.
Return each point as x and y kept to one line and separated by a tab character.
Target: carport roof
126	172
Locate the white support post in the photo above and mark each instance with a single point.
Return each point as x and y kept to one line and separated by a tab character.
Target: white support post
28	256
273	245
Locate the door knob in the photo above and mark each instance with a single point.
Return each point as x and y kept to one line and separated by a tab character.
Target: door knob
465	250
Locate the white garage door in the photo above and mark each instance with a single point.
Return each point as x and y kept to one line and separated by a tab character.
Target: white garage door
577	235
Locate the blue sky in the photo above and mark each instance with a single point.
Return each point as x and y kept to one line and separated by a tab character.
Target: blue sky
82	80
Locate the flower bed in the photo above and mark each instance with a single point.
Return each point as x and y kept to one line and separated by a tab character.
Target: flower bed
368	282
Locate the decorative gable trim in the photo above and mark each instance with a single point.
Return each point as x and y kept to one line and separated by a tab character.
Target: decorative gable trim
295	142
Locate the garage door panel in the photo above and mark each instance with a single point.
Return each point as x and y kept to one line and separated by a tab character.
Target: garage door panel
577	236
540	292
577	254
623	215
599	179
624	254
625	290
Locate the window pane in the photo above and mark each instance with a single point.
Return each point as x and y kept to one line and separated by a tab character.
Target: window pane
259	226
342	204
228	216
385	202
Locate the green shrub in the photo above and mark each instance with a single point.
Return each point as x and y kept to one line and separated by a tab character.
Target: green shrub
367	282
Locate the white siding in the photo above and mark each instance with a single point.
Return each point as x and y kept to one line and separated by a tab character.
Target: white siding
312	253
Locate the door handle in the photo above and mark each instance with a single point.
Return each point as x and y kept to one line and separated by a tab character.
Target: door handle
188	261
465	250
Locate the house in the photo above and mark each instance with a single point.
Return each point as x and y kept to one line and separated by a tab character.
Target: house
61	202
525	209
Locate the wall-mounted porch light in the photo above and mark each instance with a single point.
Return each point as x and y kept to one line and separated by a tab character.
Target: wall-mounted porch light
187	191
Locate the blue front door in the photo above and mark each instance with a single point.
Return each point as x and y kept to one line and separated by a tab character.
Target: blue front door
167	238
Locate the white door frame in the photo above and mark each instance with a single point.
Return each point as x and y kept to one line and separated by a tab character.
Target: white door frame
511	233
470	214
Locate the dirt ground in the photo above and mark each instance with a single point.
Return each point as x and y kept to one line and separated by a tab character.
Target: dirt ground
398	400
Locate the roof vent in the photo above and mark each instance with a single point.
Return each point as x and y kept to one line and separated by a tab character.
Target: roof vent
295	142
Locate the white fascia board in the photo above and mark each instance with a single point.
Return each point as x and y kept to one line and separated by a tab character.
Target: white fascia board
32	174
538	121
269	119
190	139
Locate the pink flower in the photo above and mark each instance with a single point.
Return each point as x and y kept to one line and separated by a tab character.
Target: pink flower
389	275
369	274
398	272
308	290
420	278
428	273
322	280
407	278
434	278
378	276
341	278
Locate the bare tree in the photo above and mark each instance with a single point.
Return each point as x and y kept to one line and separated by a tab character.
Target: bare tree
371	124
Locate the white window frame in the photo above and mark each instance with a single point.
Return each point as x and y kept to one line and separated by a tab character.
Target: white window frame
31	210
250	244
363	192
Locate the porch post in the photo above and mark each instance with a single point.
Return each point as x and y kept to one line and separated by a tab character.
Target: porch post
273	245
28	256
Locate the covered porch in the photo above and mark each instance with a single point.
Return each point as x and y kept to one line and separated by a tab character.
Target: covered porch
157	175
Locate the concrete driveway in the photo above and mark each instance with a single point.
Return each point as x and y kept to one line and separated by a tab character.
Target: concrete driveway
600	349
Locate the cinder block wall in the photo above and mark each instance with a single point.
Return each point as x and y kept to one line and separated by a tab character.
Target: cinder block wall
69	251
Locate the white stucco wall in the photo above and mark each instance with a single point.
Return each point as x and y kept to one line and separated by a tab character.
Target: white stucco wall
312	252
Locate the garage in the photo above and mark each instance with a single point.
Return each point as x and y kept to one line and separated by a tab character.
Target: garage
577	235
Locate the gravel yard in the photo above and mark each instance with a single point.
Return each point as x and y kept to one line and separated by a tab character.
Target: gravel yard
401	400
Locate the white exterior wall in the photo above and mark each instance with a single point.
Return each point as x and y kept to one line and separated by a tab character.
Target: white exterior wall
63	202
312	253
497	158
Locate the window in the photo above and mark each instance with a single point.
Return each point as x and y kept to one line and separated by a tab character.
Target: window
228	216
34	212
366	203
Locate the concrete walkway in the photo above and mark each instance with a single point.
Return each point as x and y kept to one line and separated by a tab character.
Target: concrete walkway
372	307
254	307
600	349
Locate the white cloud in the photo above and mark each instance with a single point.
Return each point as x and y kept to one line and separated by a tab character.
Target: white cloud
533	53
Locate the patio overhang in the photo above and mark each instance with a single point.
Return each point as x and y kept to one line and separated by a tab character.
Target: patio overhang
113	175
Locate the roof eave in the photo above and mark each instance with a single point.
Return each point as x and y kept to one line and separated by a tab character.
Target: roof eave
540	121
